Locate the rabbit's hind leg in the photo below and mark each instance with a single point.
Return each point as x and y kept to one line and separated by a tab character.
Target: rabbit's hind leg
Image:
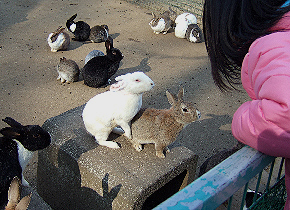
101	139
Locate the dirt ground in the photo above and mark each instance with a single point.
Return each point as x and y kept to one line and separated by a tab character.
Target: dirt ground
31	94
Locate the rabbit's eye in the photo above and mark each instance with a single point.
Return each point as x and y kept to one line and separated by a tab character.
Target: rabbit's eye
185	110
137	80
114	53
36	136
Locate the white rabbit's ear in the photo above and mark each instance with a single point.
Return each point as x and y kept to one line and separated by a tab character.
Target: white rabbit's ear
118	86
119	78
153	15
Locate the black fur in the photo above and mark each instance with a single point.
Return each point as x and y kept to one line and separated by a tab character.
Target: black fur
99	69
32	137
9	166
82	31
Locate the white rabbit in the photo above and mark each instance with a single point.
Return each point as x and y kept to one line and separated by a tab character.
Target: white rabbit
190	18
182	22
116	107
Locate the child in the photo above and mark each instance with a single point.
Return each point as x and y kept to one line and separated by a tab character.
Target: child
249	41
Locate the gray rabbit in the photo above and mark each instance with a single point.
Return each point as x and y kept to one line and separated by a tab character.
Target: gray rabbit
68	70
99	33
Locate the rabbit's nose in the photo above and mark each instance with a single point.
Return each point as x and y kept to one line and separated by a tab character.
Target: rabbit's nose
198	114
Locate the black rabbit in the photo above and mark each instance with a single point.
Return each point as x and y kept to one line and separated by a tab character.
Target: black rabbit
17	147
99	69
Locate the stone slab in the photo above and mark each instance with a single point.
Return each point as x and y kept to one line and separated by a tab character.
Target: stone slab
74	172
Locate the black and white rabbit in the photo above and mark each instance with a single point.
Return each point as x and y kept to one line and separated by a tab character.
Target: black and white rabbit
99	33
99	69
58	40
194	33
80	29
17	147
163	23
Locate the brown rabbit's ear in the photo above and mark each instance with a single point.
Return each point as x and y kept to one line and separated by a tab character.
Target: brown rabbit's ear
13	193
109	43
180	93
9	132
171	98
24	203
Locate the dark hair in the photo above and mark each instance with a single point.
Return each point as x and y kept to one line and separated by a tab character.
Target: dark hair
230	27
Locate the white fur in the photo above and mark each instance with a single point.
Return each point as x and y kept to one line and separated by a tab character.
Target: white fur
188	17
160	26
116	107
73	27
180	29
57	43
24	156
192	38
182	21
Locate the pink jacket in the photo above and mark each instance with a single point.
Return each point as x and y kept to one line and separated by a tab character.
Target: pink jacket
264	122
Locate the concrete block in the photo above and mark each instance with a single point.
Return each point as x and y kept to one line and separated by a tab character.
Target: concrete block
74	172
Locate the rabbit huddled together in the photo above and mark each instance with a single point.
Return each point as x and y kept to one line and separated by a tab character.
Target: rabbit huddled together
98	70
116	107
184	25
17	146
98	67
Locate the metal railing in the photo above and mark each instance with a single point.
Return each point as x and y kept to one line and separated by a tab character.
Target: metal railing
223	181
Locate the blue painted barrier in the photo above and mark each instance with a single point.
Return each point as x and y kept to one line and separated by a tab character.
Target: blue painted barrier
220	183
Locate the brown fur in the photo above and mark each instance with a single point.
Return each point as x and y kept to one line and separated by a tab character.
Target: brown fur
14	202
161	126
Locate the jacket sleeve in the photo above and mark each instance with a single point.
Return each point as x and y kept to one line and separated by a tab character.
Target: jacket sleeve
264	122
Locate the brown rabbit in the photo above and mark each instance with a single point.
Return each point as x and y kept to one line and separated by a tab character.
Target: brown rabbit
14	202
161	126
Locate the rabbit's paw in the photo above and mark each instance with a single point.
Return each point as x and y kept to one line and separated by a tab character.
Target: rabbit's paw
109	144
138	147
160	154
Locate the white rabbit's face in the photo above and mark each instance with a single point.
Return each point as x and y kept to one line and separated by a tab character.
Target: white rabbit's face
139	83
